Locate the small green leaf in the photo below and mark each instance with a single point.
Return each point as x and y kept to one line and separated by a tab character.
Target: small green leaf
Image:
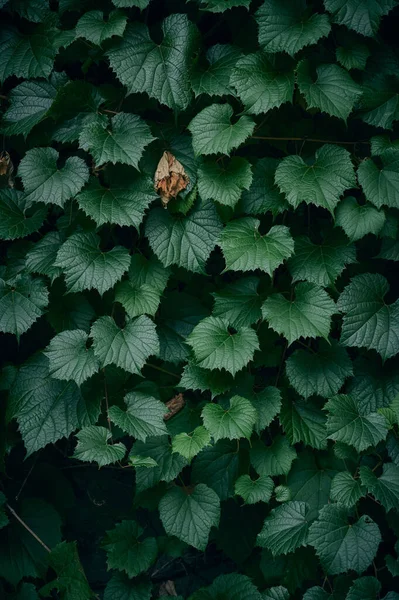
364	588
239	303
69	358
189	445
17	218
142	461
26	56
224	183
41	258
22	301
268	404
304	422
92	26
120	587
263	195
346	490
379	102
363	17
235	422
127	551
285	529
93	446
142	418
275	459
219	6
357	220
384	488
214	78
381	185
196	378
254	490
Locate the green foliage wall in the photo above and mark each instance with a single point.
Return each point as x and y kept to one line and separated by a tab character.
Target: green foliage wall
201	399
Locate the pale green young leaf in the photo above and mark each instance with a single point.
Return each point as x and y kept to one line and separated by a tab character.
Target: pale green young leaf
272	460
304	422
86	267
384	488
254	490
322	182
169	464
93	446
320	373
123	202
215	347
260	84
346	490
26	56
94	28
245	249
185	241
267	403
127	348
233	586
220	6
364	588
22	300
161	70
214	79
284	26
224	181
127	551
368	321
69	358
17	218
357	220
70	578
348	423
122	141
379	103
190	516
363	17
142	461
120	587
44	181
142	418
41	257
285	529
343	546
196	378
333	91
235	422
190	444
214	133
308	315
381	185
282	493
263	195
321	263
239	303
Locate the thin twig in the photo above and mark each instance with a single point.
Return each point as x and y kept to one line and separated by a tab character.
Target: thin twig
28	475
112	112
14	514
305	139
162	370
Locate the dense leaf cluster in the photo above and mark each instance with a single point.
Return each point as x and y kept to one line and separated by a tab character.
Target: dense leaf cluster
229	360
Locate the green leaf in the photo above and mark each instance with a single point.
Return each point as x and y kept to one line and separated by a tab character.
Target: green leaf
245	249
161	70
190	515
160	450
308	315
26	56
346	490
44	181
232	587
348	423
127	348
123	141
389	250
92	26
323	263
357	220
69	357
254	490
343	546
86	267
46	409
35	11
71	580
189	445
384	488
320	373
224	183
268	404
214	78
354	53
218	467
142	461
186	241
263	195
120	587
215	347
304	422
283	493
127	551
93	446
22	300
276	593
285	529
141	4
275	459
123	203
235	422
214	133
73	312
321	183
285	26
41	258
260	84
368	321
364	588
332	90
17	218
381	185
195	378
239	303
3	516
142	418
363	17
219	6
379	102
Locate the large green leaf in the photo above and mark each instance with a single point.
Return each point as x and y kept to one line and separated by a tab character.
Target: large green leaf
239	303
245	249
93	446
24	55
127	551
364	588
381	185
233	586
363	17
379	102
357	220
307	315
384	488
142	418
42	256
285	529
69	357
17	218
322	182
343	546
369	322
92	26
346	490
224	183
304	422
22	300
235	422
161	70
70	578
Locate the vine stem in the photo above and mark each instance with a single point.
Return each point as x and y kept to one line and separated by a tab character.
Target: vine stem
22	522
162	370
305	139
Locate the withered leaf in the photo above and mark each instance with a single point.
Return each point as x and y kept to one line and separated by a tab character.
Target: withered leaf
6	167
174	405
170	178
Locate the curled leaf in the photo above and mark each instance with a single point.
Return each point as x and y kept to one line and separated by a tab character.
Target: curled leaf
170	178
